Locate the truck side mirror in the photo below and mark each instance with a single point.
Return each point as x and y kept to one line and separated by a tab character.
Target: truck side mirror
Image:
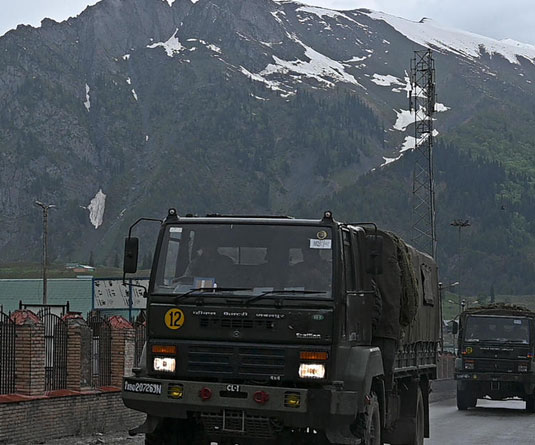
454	327
131	249
374	249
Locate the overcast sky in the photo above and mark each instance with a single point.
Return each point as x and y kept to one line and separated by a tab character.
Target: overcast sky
493	18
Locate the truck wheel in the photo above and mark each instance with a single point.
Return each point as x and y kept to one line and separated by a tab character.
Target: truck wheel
368	426
465	399
530	403
174	432
419	432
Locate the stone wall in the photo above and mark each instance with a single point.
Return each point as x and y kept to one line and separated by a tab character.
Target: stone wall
32	414
26	420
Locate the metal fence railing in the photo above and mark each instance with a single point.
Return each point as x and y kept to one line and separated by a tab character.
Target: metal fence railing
100	349
55	338
7	354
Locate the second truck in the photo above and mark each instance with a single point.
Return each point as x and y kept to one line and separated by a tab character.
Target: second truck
496	356
265	329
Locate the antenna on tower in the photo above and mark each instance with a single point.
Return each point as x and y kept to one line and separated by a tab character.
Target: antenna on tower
422	99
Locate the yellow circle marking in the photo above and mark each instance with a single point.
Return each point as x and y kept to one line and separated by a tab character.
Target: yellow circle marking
322	234
174	318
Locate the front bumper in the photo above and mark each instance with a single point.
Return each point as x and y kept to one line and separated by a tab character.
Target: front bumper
318	406
495	377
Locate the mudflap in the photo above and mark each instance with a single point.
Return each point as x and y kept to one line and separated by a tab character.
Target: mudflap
403	430
150	424
340	435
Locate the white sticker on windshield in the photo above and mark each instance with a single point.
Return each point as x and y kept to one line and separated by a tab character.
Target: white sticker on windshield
175	230
517	321
320	243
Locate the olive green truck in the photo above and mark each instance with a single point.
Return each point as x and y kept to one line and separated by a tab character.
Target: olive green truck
279	330
496	355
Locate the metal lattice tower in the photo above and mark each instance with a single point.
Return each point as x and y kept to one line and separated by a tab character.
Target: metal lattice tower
422	104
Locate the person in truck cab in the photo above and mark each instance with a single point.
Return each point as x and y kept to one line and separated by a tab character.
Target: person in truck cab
313	273
210	263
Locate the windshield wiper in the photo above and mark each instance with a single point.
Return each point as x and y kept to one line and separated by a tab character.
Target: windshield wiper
281	294
208	289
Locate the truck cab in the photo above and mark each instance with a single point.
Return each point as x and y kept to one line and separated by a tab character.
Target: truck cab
260	328
496	356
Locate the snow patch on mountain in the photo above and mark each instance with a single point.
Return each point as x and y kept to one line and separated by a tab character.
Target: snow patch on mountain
273	85
171	46
87	102
318	67
323	12
386	80
357	59
404	119
429	33
170	2
96	209
210	46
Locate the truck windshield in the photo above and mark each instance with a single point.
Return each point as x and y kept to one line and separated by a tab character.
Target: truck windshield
246	259
498	329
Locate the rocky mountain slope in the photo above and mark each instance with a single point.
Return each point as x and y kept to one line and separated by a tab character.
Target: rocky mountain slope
260	106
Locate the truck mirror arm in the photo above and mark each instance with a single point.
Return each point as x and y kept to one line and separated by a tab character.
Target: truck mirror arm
127	242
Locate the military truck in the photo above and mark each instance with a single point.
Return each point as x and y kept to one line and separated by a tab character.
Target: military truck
264	329
496	350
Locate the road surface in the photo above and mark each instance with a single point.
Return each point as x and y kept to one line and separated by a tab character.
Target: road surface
490	423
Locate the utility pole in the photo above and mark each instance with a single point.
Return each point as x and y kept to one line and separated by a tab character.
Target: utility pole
460	224
45	208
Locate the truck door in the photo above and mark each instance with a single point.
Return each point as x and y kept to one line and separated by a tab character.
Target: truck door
357	320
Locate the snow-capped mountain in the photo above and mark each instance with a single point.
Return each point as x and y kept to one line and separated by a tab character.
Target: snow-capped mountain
233	106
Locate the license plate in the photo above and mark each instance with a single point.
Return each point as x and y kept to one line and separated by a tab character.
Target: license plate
143	387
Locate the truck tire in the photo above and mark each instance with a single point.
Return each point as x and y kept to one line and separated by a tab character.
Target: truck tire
530	403
465	399
419	432
174	432
368	425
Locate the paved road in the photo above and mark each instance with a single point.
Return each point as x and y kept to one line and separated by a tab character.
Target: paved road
490	423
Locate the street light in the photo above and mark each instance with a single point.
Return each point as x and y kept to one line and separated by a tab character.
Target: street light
441	289
46	208
460	224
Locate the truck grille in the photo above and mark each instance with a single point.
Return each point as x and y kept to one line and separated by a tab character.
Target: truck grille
237	423
236	361
494	365
236	323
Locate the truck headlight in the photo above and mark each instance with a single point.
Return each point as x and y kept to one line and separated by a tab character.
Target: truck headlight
311	371
164	364
522	367
469	364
